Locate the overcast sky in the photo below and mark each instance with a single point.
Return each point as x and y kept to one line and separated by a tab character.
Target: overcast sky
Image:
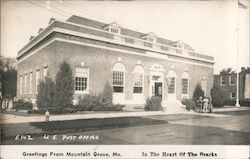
210	27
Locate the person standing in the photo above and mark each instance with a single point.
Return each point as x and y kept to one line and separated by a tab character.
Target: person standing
205	104
47	115
199	104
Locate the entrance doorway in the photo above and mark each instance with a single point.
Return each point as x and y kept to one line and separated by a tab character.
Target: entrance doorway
158	89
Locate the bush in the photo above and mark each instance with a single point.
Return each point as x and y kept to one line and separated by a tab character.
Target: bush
217	96
243	102
92	102
22	105
64	87
153	104
117	107
198	92
106	97
189	103
87	102
45	94
53	111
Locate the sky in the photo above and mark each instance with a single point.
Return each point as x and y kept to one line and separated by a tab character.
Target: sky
210	27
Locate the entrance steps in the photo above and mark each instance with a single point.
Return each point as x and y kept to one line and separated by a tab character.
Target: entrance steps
173	106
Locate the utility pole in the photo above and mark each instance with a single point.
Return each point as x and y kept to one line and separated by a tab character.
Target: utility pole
237	104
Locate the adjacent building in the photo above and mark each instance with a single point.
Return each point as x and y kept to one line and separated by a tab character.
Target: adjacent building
137	65
228	84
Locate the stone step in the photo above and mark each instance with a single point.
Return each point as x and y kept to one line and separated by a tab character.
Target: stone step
173	106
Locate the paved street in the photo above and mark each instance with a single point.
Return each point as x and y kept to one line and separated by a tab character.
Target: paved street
229	129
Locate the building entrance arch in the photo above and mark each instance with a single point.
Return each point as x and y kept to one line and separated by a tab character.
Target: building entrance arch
156	81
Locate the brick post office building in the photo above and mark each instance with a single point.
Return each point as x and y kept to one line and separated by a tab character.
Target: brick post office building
137	65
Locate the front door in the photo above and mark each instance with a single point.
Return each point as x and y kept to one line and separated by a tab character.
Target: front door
158	89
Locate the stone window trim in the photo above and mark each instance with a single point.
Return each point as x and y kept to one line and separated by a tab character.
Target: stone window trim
21	84
30	82
26	83
82	80
37	80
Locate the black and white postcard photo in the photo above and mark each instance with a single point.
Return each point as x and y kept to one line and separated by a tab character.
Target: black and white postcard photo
133	79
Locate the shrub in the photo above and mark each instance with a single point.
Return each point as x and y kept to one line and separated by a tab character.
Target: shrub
243	102
198	92
45	94
87	102
153	104
189	103
22	105
64	87
53	111
116	107
106	97
92	102
217	96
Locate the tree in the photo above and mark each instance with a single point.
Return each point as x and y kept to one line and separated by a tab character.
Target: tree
45	96
106	97
217	96
227	71
245	70
198	92
8	81
64	86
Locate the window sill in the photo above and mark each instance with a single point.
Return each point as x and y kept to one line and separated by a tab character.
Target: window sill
81	92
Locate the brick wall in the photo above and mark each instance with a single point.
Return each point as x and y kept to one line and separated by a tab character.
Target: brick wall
227	88
100	61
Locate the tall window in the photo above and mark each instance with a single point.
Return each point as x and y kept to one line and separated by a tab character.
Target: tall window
118	78
82	79
30	85
185	83
138	79
204	85
45	72
25	83
231	80
21	84
222	80
37	80
171	86
184	86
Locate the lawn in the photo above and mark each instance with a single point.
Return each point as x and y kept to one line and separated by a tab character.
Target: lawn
94	124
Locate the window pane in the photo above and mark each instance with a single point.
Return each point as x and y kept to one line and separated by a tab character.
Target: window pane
81	83
137	90
184	86
118	89
118	78
171	88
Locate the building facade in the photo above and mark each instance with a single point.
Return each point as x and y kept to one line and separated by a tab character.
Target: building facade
137	65
228	84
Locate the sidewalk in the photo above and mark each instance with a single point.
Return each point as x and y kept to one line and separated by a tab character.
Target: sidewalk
230	108
11	119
